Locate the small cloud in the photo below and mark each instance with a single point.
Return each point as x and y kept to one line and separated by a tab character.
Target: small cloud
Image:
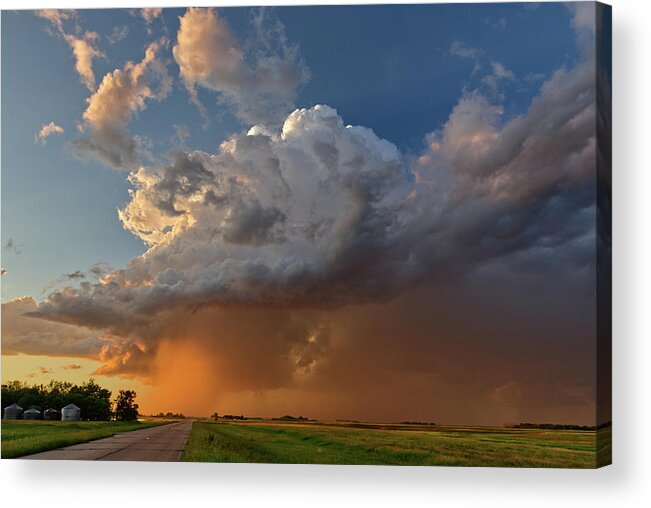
72	366
100	268
500	73
44	370
64	278
47	130
465	52
13	247
119	33
123	93
56	16
534	77
81	43
181	133
85	52
149	14
499	24
461	50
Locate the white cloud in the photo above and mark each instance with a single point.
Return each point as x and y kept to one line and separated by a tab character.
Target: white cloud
56	16
122	94
84	52
499	74
461	50
119	33
83	46
149	14
47	130
319	213
260	86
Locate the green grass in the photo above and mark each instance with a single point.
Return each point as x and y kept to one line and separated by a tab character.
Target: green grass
604	446
20	437
329	443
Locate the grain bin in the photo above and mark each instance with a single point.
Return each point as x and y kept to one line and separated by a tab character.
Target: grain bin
70	413
51	414
13	412
32	414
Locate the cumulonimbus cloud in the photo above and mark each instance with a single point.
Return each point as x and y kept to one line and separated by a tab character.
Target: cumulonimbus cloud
320	213
261	87
258	252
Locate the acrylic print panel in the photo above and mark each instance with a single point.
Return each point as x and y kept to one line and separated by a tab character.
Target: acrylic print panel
339	235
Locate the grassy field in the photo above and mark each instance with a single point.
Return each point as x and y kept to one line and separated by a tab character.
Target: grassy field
20	437
339	443
604	446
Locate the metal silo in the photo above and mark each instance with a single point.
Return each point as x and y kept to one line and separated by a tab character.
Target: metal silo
70	413
51	414
32	414
13	412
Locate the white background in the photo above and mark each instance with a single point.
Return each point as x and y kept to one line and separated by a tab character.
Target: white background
627	483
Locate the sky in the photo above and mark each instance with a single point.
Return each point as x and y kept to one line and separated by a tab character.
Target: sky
368	212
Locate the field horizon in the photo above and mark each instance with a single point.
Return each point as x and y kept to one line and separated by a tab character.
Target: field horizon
346	443
366	443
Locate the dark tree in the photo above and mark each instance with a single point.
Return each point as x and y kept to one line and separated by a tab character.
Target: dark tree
93	400
126	409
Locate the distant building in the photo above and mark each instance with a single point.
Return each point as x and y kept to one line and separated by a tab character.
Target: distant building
32	414
51	414
70	413
13	412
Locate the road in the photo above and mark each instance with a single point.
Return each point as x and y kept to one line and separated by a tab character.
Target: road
156	444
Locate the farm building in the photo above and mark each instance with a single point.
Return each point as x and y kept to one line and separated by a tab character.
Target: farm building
51	414
70	413
13	412
32	414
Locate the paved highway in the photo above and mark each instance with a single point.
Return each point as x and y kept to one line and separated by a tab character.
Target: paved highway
156	444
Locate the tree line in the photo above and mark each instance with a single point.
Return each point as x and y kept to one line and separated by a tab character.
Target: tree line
549	426
94	401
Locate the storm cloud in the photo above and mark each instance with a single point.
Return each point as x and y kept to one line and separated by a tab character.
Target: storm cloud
26	335
318	213
306	255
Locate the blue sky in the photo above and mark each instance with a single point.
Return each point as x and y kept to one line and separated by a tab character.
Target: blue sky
386	67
